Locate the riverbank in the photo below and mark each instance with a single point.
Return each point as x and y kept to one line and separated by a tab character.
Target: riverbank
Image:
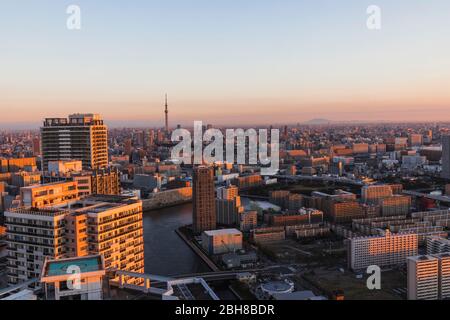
189	241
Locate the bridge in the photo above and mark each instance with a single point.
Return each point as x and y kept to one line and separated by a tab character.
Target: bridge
225	275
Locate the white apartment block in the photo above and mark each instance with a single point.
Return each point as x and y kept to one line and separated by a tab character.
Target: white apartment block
437	244
423	278
444	275
429	277
386	250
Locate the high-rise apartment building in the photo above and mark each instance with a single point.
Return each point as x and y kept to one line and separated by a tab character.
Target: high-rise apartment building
386	250
32	235
444	275
227	193
446	157
79	137
423	278
106	225
228	206
203	195
429	277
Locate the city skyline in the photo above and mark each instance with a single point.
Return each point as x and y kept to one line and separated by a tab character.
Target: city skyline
234	63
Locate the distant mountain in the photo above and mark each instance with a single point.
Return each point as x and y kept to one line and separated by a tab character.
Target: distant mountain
318	121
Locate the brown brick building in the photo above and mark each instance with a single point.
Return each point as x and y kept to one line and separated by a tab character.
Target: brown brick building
204	202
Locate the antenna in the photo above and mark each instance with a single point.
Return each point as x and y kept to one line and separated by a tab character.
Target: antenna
167	115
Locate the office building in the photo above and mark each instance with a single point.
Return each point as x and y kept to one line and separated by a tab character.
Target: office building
385	250
204	202
80	137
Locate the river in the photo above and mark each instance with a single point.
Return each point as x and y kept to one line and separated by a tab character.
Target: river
165	253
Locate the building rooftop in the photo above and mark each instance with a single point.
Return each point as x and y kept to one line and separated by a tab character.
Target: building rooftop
51	184
92	204
50	212
61	267
422	258
222	232
297	295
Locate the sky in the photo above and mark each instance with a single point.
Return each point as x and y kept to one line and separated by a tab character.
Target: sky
224	61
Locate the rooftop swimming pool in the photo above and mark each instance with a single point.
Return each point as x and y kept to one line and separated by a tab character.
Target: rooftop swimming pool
58	268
